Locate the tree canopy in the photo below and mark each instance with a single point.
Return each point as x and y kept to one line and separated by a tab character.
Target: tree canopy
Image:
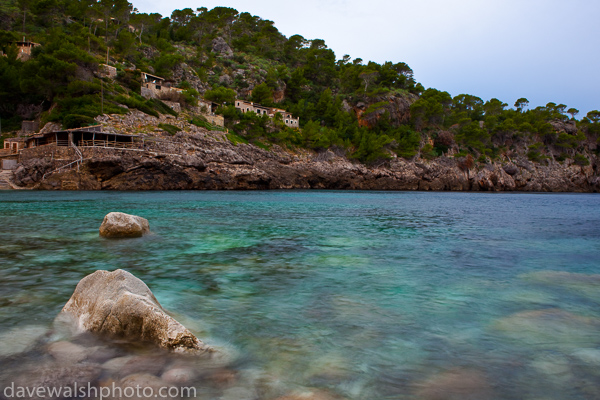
372	111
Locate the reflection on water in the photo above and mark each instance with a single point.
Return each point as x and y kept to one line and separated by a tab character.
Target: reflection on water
350	295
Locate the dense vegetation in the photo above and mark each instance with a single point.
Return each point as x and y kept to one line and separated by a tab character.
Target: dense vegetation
367	110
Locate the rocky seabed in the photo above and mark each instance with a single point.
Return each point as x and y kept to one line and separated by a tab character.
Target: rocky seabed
63	358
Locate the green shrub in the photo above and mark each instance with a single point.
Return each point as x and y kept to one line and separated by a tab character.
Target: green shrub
262	145
161	107
428	152
170	129
87	105
374	107
77	121
220	95
235	139
78	88
581	160
203	123
150	106
536	146
408	142
191	96
130	79
133	102
534	155
12	123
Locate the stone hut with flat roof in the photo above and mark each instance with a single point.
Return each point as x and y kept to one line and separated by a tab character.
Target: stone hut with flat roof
154	86
24	49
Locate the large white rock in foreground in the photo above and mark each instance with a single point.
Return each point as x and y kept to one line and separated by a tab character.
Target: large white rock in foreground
121	225
119	305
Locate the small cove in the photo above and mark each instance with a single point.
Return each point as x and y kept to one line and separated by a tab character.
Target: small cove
367	295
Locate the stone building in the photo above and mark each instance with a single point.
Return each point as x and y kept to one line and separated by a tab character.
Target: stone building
91	136
15	144
208	110
107	71
24	49
288	118
9	155
156	87
153	87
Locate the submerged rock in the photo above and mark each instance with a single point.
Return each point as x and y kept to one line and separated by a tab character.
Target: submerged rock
589	356
583	284
64	381
160	389
179	376
114	365
152	365
311	394
119	305
550	329
121	225
554	366
564	278
455	384
20	339
67	352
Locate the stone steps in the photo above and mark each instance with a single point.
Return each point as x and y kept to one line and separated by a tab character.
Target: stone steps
4	180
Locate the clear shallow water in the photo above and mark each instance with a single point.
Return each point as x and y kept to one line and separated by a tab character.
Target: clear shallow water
370	295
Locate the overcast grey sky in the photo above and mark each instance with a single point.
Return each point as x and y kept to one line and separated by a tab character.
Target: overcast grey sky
544	50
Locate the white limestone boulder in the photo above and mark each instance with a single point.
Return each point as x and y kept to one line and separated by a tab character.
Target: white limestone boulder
121	225
118	305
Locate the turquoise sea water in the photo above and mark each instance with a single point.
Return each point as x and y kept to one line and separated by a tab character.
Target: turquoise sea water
370	295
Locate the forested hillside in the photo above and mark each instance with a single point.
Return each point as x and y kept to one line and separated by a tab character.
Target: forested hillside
369	112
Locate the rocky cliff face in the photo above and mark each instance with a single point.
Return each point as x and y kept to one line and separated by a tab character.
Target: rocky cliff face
210	163
397	106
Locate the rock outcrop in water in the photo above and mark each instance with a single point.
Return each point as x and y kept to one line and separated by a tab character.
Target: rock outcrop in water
121	225
119	305
203	160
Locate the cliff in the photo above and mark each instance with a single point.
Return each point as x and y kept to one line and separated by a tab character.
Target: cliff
205	160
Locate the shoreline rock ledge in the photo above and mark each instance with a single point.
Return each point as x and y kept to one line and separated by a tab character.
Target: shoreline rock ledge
121	225
118	305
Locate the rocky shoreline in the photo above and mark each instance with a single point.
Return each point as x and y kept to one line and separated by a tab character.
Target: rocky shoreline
196	159
225	166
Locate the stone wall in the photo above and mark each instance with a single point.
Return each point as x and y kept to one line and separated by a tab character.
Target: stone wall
30	126
204	107
108	71
9	164
52	151
217	120
154	91
147	93
62	155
